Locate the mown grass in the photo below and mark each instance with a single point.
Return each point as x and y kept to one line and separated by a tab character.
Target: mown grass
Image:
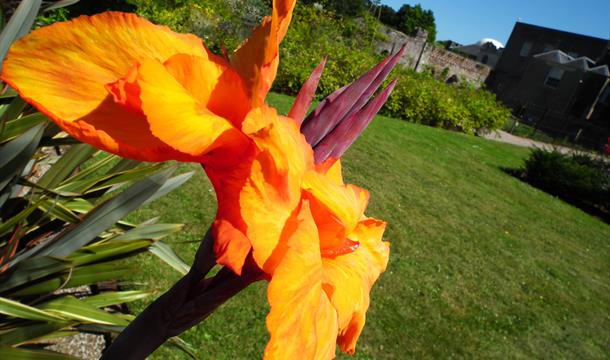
481	264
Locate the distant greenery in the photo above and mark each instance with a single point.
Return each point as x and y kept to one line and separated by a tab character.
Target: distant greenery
420	98
409	18
577	178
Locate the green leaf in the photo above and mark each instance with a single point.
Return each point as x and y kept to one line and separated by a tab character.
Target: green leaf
99	163
66	164
115	298
31	270
22	311
156	231
15	154
14	128
106	215
85	275
60	4
13	110
123	165
7	226
107	250
79	205
32	332
170	185
126	176
71	308
22	354
19	24
56	209
9	93
165	253
182	345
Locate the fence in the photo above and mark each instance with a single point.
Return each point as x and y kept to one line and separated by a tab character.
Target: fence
546	125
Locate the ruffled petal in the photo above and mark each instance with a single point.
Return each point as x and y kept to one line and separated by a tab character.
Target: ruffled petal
302	323
63	69
182	122
259	195
213	84
336	208
348	280
257	58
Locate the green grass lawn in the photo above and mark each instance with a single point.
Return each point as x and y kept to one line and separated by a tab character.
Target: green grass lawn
481	265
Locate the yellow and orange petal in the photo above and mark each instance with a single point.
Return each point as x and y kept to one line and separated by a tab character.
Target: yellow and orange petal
63	70
302	323
348	279
337	208
257	58
259	195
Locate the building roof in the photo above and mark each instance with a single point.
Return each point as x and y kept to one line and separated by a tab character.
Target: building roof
494	42
602	70
582	63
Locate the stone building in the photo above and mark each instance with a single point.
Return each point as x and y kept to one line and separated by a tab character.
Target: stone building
556	80
420	55
486	51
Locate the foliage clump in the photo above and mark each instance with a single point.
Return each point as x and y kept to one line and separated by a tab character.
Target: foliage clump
577	178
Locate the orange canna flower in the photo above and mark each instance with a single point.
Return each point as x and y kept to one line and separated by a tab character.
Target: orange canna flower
141	91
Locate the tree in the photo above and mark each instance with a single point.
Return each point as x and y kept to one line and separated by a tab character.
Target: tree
388	16
410	18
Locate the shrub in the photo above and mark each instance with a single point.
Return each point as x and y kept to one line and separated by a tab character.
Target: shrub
576	177
420	98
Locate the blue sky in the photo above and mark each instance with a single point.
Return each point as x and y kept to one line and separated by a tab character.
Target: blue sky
467	21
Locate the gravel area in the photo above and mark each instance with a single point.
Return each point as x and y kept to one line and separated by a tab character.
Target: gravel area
81	346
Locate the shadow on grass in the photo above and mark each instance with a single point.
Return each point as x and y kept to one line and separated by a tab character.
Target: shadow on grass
588	207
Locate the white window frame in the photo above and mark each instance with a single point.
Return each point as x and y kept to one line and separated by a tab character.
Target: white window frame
555	75
526	48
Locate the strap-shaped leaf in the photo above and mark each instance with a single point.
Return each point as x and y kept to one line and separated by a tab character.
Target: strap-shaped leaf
19	24
85	275
26	333
101	218
64	167
18	310
165	253
23	354
60	4
70	307
115	298
14	128
107	250
15	154
156	231
31	270
13	110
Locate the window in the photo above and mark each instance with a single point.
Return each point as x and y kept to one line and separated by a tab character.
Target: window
485	59
553	78
525	49
547	48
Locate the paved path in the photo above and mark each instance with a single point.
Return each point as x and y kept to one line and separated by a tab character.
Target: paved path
503	136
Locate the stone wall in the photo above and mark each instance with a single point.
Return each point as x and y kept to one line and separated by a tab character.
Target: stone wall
440	59
421	56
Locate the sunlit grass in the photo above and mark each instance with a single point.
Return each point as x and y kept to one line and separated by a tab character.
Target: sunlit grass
481	264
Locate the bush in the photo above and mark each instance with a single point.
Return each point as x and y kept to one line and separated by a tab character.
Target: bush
315	34
420	98
576	178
